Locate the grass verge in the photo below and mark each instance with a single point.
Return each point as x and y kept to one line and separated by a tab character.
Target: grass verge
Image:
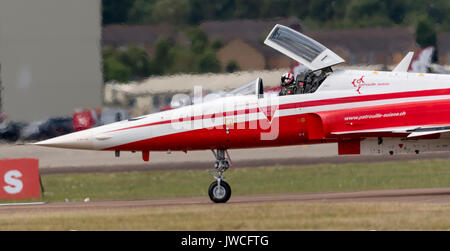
273	216
247	181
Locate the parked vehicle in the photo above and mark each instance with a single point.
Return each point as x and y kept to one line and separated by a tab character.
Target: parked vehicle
10	131
55	127
109	116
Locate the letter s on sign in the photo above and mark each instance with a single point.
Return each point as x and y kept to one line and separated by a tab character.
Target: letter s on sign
15	185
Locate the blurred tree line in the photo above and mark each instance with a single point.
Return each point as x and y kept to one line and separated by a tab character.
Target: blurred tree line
315	13
132	63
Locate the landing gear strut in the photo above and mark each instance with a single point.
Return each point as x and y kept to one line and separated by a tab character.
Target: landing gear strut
219	190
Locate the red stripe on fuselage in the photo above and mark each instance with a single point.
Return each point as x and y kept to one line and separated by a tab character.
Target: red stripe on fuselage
334	101
296	129
367	98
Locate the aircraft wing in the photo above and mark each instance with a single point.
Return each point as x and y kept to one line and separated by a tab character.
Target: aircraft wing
301	48
413	132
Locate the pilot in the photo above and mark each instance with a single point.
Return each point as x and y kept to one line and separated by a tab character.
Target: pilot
288	86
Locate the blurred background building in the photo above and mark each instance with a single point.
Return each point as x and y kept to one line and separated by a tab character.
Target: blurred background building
73	64
50	57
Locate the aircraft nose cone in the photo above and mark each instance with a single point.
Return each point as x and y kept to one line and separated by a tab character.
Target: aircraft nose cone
80	140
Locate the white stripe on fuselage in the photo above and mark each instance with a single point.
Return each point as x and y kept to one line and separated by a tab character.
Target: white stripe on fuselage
145	133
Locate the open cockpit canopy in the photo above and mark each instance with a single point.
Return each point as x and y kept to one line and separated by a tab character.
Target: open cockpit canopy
301	48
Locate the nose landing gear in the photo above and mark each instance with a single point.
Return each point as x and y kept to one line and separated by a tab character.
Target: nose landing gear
220	191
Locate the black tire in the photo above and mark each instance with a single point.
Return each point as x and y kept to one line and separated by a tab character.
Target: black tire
222	195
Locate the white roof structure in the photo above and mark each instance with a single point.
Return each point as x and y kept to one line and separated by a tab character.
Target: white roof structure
187	82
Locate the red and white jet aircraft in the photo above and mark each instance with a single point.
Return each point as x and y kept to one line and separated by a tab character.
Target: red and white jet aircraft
365	112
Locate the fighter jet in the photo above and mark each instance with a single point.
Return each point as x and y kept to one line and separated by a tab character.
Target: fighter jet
364	112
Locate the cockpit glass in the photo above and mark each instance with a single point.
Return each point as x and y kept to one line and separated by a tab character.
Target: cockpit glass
297	43
248	89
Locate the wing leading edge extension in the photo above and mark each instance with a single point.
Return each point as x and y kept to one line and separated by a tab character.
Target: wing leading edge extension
413	132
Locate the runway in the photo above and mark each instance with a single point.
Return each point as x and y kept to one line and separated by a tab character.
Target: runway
422	196
242	163
56	161
50	158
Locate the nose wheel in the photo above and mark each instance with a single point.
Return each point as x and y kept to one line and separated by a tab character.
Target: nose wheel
220	191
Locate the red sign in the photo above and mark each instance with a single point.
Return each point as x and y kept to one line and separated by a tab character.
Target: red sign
19	179
83	121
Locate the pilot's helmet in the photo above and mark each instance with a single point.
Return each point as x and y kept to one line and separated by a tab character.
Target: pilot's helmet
287	78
